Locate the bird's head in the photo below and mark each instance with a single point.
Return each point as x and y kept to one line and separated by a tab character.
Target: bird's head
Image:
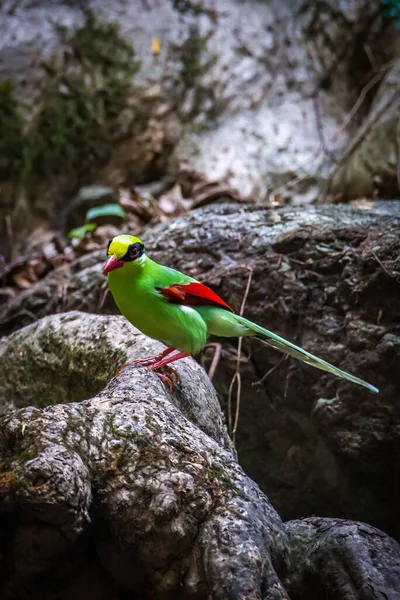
123	249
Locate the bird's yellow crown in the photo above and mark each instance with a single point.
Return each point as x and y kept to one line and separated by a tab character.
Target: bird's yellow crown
119	245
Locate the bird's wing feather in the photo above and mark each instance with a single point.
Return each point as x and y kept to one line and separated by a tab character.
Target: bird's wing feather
192	293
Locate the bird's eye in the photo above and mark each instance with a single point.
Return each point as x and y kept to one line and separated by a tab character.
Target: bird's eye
133	252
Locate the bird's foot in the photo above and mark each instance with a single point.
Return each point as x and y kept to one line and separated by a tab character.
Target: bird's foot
121	368
142	362
161	362
146	362
169	380
164	365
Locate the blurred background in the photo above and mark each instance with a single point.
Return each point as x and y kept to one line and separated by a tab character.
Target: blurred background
160	106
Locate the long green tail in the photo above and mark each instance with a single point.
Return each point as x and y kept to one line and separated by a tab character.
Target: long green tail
271	339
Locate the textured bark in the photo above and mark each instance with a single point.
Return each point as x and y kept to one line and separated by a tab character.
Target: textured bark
327	278
72	356
368	568
324	277
135	493
125	482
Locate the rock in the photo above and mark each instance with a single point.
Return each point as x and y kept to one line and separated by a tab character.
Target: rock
137	491
261	105
278	92
372	160
48	363
127	481
369	566
324	277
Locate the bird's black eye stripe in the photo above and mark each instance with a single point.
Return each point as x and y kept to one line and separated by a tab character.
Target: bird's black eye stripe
134	251
108	245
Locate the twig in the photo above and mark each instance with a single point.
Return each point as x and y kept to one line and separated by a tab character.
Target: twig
215	359
303	264
320	128
271	370
359	139
288	376
20	313
103	298
360	100
348	118
246	293
371	57
378	260
236	377
230	403
351	43
292	182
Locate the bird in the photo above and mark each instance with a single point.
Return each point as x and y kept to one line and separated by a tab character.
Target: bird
181	312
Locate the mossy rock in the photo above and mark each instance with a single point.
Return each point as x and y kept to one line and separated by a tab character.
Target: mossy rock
60	360
70	357
86	91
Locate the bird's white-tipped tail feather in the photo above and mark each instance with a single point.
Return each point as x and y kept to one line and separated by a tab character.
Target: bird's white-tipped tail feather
279	343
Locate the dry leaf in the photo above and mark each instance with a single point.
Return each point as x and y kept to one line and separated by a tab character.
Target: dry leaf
156	47
167	205
24	277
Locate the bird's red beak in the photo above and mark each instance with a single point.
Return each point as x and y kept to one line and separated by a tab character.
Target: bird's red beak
111	264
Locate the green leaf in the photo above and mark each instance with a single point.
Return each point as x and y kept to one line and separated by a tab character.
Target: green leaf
79	232
107	210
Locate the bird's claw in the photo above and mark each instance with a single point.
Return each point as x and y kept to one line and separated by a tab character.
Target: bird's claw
142	362
166	379
118	371
169	380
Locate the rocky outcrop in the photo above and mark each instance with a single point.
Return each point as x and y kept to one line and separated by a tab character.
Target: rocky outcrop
136	490
72	356
371	162
316	573
326	278
134	483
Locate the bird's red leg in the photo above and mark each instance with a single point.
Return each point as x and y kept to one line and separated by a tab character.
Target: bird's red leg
163	363
145	362
170	359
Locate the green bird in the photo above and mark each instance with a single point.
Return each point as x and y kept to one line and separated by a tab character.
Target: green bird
181	312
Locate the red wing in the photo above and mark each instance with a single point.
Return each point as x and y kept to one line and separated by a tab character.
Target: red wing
192	294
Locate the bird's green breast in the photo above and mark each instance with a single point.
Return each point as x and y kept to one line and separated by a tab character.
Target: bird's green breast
134	288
